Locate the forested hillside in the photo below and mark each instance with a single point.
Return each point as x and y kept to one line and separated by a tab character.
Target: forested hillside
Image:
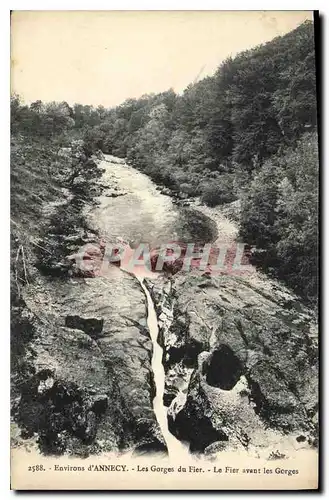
248	133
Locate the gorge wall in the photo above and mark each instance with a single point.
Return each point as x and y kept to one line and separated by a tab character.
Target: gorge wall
240	357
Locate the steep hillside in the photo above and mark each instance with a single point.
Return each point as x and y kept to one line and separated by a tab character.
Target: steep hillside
46	208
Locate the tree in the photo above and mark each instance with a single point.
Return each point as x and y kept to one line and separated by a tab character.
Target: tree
258	207
297	217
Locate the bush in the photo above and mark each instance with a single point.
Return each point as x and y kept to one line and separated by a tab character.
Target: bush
219	192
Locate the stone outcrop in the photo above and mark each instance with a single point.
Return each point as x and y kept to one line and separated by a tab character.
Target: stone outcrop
240	356
88	385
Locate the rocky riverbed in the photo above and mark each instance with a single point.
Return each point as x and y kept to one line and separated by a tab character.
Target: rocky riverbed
239	352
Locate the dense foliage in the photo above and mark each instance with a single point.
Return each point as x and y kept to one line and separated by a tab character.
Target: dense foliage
279	213
248	132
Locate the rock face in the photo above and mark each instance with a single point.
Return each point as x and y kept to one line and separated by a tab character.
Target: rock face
241	363
88	384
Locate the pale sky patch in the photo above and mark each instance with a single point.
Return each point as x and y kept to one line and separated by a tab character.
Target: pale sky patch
105	57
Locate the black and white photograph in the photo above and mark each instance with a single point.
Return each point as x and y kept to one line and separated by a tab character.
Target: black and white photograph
164	250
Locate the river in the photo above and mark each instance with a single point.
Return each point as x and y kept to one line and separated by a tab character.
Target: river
133	210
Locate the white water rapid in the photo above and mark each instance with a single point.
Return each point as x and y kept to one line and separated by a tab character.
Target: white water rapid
176	449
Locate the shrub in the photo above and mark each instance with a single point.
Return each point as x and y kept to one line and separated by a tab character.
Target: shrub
219	192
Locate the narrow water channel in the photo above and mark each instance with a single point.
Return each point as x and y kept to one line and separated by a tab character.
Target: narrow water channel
176	449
